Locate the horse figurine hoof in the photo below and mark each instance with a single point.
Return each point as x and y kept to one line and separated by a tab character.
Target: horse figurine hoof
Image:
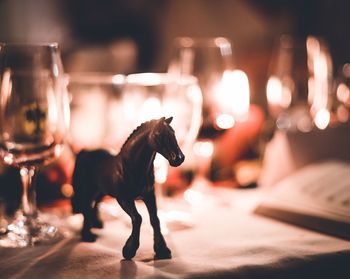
126	176
98	224
163	254
128	253
88	237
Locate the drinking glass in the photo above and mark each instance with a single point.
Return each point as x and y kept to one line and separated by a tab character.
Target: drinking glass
299	84
106	108
211	61
34	115
225	94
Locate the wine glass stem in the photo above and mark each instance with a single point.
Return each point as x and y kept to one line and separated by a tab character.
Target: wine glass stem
29	195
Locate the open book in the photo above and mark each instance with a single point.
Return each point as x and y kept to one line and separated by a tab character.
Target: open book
316	197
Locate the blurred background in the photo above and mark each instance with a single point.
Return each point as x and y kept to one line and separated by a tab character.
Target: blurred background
117	36
137	35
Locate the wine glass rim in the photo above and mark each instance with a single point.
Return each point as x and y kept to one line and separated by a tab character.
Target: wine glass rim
203	42
95	78
24	44
154	79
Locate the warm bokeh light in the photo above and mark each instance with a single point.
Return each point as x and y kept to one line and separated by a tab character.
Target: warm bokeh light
193	197
225	121
118	79
343	114
274	90
233	98
322	118
67	190
90	108
320	67
147	79
151	109
343	93
203	148
320	90
277	93
241	96
160	169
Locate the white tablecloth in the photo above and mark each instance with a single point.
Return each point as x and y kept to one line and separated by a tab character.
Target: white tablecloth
225	241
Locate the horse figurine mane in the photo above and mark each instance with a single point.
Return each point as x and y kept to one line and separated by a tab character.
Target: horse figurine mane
136	130
127	176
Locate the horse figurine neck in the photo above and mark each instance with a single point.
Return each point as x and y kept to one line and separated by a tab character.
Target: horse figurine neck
126	176
137	153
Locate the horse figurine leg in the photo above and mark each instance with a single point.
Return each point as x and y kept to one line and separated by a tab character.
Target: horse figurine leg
133	242
88	213
160	248
96	221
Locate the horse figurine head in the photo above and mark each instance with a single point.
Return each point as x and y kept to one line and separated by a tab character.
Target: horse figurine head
162	139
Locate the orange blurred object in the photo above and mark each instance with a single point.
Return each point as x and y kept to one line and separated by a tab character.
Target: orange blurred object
236	142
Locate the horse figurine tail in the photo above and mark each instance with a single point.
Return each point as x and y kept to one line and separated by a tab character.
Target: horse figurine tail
78	183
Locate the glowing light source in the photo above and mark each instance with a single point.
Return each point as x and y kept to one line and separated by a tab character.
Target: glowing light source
319	84
193	197
148	79
322	118
151	109
225	121
160	169
203	148
279	93
118	79
67	190
274	90
232	98
241	96
343	93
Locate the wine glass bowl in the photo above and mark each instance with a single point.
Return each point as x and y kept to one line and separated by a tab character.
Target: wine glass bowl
106	108
299	83
94	103
34	115
154	95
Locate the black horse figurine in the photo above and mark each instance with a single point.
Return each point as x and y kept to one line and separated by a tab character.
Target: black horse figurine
127	176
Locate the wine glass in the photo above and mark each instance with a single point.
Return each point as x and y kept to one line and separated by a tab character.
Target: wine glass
153	95
211	61
299	84
34	115
106	108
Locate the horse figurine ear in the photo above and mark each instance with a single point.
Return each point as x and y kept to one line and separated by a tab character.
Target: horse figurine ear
168	120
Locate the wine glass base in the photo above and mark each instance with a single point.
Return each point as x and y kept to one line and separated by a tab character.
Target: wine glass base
28	231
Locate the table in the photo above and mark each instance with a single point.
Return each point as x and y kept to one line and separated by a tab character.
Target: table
226	241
